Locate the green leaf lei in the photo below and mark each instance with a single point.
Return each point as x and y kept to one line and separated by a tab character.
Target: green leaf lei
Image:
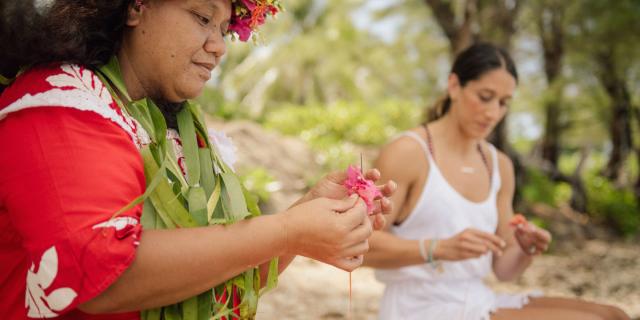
202	198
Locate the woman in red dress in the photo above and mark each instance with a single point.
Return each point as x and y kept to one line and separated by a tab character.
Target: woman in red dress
70	159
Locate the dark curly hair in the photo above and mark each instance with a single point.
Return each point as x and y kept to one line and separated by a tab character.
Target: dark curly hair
86	32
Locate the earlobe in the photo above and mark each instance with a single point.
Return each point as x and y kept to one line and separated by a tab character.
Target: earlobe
134	13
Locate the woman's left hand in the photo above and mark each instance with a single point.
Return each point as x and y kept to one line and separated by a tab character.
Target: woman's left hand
532	239
332	186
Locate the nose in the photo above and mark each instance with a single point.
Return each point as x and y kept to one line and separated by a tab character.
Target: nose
495	111
216	45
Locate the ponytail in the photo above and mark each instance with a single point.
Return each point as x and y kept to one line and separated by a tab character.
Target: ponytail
439	109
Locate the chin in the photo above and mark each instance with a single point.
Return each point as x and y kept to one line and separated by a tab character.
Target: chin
190	91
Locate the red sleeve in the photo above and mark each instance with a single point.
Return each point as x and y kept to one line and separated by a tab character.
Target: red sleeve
63	175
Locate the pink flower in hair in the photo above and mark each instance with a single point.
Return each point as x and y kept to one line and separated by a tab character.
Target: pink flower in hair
248	15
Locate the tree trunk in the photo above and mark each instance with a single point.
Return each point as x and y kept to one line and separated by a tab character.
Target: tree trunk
461	35
637	186
578	191
550	28
551	138
621	110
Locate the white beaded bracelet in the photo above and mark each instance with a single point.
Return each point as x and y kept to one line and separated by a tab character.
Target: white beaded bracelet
423	250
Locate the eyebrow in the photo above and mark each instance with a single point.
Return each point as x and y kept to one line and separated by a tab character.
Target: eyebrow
215	6
496	93
211	4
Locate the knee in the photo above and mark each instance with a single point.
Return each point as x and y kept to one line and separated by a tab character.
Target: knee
614	313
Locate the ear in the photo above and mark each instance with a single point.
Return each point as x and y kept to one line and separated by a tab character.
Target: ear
134	13
453	86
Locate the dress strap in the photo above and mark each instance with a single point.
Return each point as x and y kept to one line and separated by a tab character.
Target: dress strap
495	180
420	141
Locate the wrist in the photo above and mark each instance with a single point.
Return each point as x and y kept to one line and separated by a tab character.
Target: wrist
524	252
438	250
284	231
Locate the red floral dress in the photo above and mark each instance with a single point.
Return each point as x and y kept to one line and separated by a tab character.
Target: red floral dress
68	161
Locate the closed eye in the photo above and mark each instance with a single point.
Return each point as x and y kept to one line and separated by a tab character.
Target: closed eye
485	98
201	19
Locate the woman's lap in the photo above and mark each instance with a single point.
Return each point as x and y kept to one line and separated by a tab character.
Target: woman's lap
561	309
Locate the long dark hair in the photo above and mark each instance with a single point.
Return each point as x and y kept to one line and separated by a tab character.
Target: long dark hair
472	64
86	32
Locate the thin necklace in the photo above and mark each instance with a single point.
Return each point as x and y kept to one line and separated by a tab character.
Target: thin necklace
479	148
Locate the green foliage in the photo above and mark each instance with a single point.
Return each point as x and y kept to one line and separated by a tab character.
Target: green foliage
618	207
613	205
333	129
213	103
540	189
355	122
259	182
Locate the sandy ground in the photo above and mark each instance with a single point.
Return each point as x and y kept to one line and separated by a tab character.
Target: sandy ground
597	271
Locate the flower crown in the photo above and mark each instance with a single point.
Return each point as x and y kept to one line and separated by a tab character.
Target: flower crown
248	15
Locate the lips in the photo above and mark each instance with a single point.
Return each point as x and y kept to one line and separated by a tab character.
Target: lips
206	65
484	126
205	68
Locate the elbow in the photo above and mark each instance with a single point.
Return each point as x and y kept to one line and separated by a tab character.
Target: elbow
94	308
101	305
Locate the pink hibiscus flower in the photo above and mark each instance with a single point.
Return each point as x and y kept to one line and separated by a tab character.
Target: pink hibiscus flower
366	189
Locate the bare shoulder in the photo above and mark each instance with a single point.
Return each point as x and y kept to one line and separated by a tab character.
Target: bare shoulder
397	159
504	163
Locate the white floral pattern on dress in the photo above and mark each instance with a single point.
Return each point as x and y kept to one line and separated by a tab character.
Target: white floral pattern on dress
81	89
39	304
118	223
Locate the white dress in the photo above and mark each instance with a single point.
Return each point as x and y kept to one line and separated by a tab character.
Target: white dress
457	291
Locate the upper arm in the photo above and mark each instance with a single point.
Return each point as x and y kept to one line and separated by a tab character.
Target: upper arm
66	172
396	162
505	196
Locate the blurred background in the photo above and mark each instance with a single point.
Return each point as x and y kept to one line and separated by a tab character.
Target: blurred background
331	79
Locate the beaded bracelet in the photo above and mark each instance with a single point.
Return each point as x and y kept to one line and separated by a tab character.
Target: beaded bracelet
432	248
427	255
423	251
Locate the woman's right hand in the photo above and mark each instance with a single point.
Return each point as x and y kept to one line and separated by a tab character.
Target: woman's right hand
469	244
332	231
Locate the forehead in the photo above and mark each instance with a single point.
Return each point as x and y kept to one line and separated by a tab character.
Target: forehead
498	80
212	4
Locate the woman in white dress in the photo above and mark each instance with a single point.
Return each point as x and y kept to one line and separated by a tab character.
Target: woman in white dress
450	224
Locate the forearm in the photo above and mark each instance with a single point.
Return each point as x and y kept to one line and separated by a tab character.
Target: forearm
285	260
511	264
389	251
172	265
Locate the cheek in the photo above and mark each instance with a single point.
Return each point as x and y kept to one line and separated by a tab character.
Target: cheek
472	104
